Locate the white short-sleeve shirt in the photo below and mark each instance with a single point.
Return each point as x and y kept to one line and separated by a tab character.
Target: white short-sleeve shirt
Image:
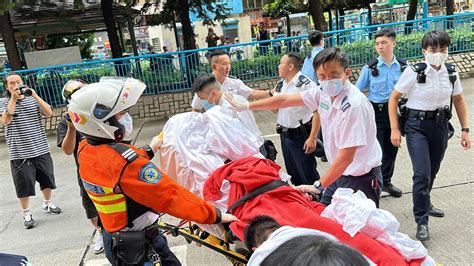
232	85
289	117
429	96
348	121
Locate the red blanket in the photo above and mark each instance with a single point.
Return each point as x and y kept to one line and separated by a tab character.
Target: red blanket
288	206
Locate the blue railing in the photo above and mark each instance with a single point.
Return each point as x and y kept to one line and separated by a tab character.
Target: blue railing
175	71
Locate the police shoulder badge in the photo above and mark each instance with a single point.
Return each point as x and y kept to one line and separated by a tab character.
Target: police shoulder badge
150	174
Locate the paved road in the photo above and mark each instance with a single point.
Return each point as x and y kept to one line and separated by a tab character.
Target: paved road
62	240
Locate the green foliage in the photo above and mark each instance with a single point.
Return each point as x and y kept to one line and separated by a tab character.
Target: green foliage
84	41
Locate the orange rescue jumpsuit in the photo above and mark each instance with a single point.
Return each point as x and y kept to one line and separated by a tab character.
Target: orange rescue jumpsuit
113	182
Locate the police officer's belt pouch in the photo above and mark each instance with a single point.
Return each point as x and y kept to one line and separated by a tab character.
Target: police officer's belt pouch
129	247
270	150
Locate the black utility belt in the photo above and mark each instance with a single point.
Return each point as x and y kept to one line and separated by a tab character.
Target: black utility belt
439	114
292	131
380	106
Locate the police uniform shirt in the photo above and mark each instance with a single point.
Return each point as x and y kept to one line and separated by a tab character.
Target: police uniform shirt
348	121
308	69
232	85
381	86
429	96
289	117
245	117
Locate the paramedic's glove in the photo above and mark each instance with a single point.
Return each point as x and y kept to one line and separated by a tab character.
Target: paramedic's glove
228	218
238	105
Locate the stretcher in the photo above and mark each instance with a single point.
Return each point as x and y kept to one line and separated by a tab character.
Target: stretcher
192	233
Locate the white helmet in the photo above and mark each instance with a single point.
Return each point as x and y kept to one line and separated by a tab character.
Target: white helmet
93	108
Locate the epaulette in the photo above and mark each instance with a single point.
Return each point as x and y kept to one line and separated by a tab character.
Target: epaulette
420	67
450	67
372	64
403	63
279	85
302	80
345	103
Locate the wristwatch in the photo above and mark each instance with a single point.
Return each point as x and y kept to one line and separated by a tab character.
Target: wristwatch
8	113
465	129
149	151
317	184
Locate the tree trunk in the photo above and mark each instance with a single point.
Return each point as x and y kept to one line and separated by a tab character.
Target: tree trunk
411	15
288	25
9	41
449	7
317	13
189	41
107	11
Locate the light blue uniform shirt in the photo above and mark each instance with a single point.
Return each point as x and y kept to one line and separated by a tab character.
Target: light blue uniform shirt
380	87
308	69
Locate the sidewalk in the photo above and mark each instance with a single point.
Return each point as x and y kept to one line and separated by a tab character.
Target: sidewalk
62	239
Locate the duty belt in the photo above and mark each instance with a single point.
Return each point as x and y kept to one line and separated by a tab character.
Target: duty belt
380	106
427	115
292	131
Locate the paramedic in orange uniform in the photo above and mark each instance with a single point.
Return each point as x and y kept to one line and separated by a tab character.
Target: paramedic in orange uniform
127	189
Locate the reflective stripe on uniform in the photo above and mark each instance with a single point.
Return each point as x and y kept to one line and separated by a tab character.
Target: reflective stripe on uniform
104	199
111	208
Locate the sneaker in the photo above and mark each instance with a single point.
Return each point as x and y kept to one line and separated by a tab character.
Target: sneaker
28	221
98	243
51	208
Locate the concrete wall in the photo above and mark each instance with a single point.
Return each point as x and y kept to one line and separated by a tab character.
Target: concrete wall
167	104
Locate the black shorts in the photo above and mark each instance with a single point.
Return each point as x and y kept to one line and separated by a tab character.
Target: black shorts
26	171
87	203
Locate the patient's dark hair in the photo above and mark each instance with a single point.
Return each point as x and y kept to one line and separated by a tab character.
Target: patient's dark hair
259	229
202	81
314	250
331	54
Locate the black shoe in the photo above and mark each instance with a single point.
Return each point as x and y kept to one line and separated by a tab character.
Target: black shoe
392	190
422	232
324	159
435	212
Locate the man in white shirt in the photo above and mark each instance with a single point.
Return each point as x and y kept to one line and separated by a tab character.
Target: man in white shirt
220	65
348	124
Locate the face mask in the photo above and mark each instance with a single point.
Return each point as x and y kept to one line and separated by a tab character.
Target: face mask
436	59
127	122
207	105
332	87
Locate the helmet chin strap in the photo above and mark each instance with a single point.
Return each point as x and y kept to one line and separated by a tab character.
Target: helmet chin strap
119	133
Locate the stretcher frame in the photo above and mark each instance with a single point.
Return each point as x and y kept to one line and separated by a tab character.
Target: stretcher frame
192	233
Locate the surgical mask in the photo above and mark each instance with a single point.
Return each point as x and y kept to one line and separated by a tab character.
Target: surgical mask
207	105
332	87
126	121
436	59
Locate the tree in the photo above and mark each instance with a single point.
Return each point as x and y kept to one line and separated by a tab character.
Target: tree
317	13
280	8
107	12
8	36
84	41
208	11
411	15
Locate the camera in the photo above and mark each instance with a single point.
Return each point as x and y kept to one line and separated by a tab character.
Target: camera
25	90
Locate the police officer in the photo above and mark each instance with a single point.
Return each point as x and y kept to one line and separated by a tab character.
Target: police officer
297	136
316	39
347	122
221	65
433	88
379	76
126	187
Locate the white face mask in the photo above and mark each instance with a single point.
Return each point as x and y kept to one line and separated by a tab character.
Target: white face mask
332	87
127	122
436	59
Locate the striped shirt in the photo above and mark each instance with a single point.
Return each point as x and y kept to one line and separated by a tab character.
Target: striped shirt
25	134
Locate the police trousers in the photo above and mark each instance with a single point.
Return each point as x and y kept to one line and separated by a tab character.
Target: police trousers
369	183
388	150
300	166
427	141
